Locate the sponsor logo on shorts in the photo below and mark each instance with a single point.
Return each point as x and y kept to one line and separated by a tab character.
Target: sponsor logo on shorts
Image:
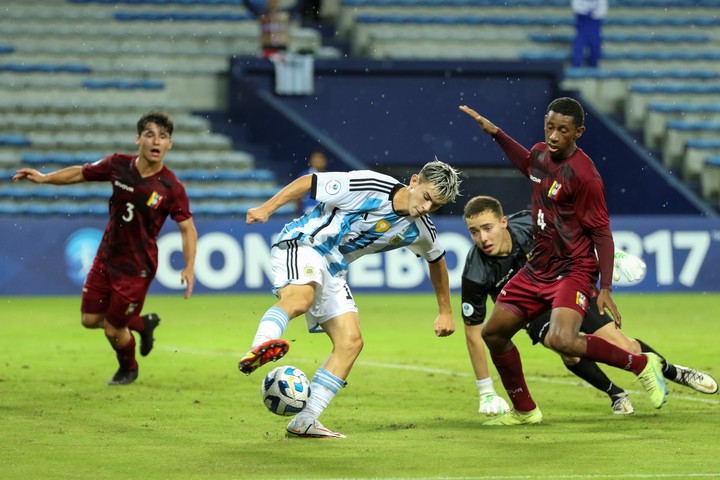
130	308
467	309
332	187
581	300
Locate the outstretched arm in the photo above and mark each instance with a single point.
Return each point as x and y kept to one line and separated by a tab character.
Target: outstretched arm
487	126
65	176
189	247
289	193
444	324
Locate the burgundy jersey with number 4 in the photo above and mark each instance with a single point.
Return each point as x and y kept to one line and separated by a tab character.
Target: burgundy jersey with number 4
570	217
138	209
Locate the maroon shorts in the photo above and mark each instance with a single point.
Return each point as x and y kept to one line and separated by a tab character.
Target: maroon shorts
529	298
118	296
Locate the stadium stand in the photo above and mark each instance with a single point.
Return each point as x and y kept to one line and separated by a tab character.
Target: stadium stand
654	52
71	70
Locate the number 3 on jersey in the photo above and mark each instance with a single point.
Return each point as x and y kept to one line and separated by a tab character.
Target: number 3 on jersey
541	220
130	212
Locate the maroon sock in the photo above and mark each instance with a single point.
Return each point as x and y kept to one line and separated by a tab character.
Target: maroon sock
600	350
509	366
126	355
136	323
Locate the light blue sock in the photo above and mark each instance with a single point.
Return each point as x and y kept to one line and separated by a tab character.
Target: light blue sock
323	388
272	326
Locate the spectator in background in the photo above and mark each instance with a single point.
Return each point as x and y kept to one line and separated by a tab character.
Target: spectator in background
317	163
144	193
589	15
275	25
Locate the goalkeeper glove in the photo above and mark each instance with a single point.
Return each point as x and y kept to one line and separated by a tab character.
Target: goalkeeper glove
629	266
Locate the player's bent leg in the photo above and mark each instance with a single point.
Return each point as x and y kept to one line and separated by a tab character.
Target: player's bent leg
515	417
617	337
695	379
652	379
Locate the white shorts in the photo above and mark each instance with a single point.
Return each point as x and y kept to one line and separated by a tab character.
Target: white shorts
301	265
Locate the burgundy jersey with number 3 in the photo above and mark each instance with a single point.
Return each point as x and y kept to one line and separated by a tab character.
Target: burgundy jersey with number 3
138	209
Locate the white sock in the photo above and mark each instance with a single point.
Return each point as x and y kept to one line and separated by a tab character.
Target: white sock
272	326
323	389
485	386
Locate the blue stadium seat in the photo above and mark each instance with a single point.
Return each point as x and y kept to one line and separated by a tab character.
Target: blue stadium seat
14	140
182	16
122	84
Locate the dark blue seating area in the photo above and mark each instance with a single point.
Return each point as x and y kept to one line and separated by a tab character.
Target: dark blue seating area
121	84
655	56
637	74
182	17
14	140
625	38
21	67
539	20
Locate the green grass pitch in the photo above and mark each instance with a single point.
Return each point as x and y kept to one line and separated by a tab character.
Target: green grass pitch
409	410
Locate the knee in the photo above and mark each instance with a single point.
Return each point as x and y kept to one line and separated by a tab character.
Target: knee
561	343
351	345
92	321
494	341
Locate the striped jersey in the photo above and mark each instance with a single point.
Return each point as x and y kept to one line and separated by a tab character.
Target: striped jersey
355	217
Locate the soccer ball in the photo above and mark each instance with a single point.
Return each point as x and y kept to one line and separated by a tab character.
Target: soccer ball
285	390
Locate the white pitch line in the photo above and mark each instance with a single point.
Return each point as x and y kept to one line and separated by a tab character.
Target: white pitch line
440	371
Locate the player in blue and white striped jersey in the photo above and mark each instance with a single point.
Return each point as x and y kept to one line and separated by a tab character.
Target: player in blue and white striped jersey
359	213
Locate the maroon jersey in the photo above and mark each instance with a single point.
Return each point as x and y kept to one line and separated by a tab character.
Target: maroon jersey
138	209
570	218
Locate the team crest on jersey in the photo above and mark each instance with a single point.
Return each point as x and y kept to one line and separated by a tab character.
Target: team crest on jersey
581	300
309	270
382	226
154	200
554	189
332	187
130	309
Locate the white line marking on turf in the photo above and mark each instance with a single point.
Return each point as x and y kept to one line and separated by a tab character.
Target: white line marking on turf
438	371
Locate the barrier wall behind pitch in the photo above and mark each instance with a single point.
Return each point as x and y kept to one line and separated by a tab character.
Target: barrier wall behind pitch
52	257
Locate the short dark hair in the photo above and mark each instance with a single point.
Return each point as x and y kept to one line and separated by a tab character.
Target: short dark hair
480	204
570	107
161	119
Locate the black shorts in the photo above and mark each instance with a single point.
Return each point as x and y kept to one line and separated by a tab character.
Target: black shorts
593	321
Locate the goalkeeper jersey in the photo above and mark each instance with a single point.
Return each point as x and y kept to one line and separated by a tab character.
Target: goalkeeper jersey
355	217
